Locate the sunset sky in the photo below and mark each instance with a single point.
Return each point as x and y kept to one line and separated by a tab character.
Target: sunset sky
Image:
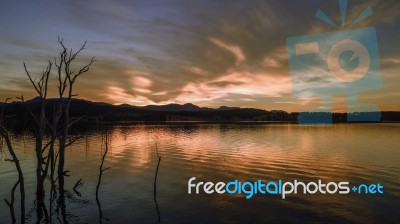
210	53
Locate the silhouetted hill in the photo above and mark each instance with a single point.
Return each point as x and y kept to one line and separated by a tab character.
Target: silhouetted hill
228	108
98	112
176	107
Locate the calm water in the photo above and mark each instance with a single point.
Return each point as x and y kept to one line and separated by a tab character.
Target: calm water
359	153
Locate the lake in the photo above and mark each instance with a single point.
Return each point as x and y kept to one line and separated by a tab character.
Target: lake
357	153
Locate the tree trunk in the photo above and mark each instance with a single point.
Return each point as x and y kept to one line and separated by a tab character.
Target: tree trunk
20	175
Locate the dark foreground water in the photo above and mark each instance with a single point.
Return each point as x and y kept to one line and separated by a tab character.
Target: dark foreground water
358	153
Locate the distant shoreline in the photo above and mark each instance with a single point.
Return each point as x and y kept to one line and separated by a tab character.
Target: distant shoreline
97	113
233	122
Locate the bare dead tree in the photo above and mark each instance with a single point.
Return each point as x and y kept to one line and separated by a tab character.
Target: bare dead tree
155	186
41	88
4	134
40	126
59	124
101	170
67	77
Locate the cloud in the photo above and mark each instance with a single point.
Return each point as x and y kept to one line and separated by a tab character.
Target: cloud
235	50
157	52
118	95
196	70
241	83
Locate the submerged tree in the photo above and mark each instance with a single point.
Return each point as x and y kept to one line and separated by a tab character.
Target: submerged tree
40	124
107	141
67	77
57	123
6	137
155	186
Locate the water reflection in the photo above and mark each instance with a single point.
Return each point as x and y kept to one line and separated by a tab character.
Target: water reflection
139	185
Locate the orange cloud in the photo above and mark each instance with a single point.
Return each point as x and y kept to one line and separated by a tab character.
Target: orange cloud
118	95
235	83
235	50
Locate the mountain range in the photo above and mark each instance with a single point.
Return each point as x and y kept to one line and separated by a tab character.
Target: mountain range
99	112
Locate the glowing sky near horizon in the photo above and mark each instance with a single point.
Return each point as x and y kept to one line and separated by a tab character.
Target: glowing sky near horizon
209	53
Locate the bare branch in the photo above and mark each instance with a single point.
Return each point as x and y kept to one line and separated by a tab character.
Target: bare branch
76	120
32	81
9	160
78	184
84	69
28	109
46	146
76	138
73	56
